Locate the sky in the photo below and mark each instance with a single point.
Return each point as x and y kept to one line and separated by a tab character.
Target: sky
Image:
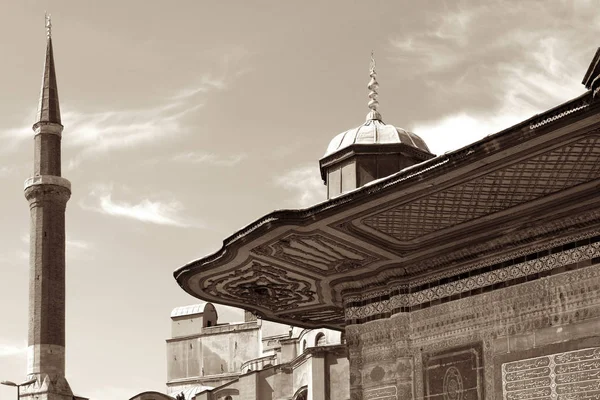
187	120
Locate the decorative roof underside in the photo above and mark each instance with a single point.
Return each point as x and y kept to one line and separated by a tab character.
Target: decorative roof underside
526	184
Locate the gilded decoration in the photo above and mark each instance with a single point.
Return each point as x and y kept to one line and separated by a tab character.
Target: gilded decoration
562	376
519	183
316	252
263	285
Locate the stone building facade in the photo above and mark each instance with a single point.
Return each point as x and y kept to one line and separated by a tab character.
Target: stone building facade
470	275
253	359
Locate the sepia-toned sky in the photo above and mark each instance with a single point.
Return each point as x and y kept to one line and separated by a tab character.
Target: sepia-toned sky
186	120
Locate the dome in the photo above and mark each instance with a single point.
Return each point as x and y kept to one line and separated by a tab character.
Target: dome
375	132
188	310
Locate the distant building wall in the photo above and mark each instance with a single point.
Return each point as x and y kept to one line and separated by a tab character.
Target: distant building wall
339	371
187	325
216	350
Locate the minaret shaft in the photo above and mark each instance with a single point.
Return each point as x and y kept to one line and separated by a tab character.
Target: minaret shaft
47	193
47	157
46	337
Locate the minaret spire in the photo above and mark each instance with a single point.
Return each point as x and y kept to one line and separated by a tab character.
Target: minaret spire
48	108
373	86
47	193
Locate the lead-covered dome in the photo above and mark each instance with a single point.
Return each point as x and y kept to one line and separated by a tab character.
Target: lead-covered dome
371	151
375	132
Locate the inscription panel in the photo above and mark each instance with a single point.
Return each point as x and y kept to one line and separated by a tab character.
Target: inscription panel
454	374
382	393
563	376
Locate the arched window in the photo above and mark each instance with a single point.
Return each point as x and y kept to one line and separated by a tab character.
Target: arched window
320	339
227	397
304	345
301	394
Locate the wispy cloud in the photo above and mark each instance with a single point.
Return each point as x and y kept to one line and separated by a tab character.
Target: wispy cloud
209	158
74	248
6	170
101	131
7	349
481	77
305	183
147	210
77	244
207	84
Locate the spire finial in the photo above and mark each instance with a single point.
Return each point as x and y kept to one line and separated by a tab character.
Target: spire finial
49	109
48	25
373	86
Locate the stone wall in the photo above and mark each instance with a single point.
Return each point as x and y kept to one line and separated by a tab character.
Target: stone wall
216	350
507	342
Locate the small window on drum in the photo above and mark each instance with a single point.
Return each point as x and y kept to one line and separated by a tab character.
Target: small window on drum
320	339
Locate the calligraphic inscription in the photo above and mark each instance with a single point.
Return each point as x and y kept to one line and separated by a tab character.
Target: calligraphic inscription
574	375
382	393
454	374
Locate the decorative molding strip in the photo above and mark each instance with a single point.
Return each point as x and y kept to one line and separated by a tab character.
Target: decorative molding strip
495	277
582	104
480	251
47	180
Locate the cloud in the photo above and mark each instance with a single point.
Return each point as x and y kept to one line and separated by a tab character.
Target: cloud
146	210
306	184
98	132
74	248
70	243
6	170
209	158
7	350
77	245
481	75
207	84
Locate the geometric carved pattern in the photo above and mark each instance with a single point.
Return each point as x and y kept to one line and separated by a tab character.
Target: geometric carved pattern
316	252
327	315
262	285
515	271
563	376
454	374
519	183
453	384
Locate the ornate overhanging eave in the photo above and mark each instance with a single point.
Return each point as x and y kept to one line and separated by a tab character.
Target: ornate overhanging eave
519	188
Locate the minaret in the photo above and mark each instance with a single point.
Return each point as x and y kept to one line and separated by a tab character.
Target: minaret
47	193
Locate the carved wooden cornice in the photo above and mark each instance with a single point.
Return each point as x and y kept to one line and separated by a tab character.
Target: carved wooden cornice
531	187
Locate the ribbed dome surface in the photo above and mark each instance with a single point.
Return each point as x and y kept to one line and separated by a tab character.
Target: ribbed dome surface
375	132
188	310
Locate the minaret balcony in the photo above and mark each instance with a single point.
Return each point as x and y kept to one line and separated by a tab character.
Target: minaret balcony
48	180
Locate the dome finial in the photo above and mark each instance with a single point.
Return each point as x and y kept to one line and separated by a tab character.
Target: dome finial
373	86
48	25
